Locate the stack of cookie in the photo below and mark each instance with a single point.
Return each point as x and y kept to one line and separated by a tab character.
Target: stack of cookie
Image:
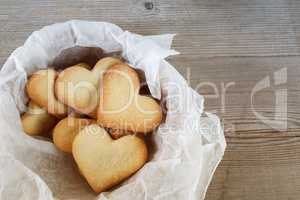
97	114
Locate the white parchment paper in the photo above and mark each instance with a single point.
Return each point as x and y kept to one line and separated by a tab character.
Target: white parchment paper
188	145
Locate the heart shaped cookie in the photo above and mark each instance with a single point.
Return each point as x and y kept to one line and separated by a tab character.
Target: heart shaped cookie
66	130
40	89
37	121
78	87
105	162
122	107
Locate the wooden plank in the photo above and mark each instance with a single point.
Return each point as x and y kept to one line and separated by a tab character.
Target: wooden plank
260	168
204	28
260	162
221	42
227	84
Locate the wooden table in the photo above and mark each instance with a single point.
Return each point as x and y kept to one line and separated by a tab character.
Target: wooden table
228	46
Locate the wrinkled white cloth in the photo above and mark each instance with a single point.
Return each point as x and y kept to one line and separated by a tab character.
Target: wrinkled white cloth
188	145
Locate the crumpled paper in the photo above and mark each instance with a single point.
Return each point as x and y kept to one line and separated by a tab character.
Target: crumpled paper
188	146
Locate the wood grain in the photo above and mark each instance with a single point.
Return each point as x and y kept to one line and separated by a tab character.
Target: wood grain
234	43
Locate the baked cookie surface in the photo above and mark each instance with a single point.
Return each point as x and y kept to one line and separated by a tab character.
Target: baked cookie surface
37	121
122	107
77	86
66	130
40	89
105	162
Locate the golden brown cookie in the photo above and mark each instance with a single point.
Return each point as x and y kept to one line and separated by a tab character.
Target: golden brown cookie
121	106
105	162
78	87
37	121
40	89
66	130
84	65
